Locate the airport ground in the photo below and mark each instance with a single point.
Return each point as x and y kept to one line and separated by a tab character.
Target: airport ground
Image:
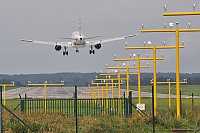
67	92
165	120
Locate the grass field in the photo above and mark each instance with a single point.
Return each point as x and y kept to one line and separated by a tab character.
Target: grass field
163	89
165	119
61	123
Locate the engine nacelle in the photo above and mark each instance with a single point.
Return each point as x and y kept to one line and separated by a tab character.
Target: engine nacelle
97	46
58	47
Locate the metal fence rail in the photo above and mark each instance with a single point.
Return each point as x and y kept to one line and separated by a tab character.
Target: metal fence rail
85	107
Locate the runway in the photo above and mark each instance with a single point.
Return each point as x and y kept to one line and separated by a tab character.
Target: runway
67	92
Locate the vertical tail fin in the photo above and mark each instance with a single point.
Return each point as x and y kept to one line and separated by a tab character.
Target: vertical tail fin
79	26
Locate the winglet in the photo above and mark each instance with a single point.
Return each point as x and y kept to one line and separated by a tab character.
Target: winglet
26	40
131	35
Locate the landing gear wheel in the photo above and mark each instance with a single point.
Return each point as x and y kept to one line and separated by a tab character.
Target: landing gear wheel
77	51
65	53
92	52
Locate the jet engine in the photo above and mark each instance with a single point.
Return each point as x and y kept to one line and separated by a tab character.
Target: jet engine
97	46
58	47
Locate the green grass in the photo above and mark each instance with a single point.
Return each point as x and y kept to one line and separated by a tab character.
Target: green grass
12	103
163	89
54	123
165	119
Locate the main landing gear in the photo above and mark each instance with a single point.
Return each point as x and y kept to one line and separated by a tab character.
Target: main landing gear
91	50
65	52
77	50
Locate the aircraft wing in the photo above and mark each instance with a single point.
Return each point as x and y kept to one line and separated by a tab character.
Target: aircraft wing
68	44
108	40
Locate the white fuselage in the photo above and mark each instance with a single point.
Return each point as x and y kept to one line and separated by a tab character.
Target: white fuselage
78	40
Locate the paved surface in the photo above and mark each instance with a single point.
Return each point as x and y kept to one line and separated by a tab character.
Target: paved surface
67	92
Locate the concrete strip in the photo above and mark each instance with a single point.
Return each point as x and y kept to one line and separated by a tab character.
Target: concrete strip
67	92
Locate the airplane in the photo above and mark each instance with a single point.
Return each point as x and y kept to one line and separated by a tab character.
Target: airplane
78	40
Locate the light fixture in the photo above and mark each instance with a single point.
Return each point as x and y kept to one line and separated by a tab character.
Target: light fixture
194	7
142	26
126	44
189	24
176	24
164	43
165	25
182	42
165	8
149	43
62	81
171	25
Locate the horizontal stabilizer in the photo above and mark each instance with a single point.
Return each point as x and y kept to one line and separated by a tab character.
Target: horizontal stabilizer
65	38
92	37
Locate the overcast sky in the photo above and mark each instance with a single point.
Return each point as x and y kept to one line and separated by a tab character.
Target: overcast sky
47	20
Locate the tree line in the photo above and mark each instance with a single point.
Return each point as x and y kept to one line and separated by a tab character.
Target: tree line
83	79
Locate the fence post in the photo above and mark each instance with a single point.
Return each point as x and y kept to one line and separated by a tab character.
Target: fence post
25	102
130	103
153	109
192	101
125	106
180	104
1	122
75	108
22	105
